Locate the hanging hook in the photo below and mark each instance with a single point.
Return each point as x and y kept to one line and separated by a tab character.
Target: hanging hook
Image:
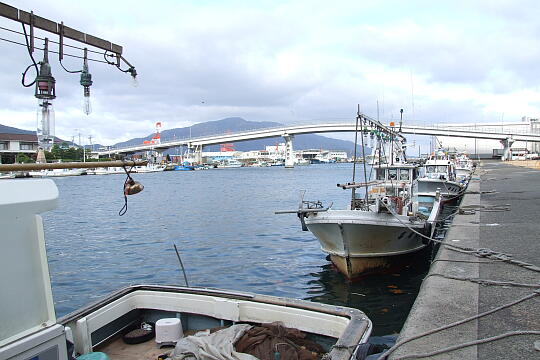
131	187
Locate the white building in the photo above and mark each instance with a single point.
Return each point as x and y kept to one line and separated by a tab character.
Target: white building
13	144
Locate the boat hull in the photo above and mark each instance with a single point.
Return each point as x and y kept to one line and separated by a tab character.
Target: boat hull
463	174
446	188
361	242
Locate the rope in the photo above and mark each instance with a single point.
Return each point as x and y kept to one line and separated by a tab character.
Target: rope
464	261
470	343
349	348
124	208
463	321
482	252
485	281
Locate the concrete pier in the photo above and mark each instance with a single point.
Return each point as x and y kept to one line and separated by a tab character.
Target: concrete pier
507	220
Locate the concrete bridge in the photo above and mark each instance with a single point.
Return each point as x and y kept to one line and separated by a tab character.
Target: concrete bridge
288	133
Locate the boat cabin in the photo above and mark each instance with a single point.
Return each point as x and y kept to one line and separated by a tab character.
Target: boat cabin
402	173
440	169
395	185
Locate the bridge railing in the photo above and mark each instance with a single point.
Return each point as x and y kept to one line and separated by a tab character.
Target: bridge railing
516	129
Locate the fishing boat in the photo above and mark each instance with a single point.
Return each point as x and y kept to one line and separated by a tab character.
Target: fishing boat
108	171
134	314
149	168
440	176
185	166
464	168
230	163
57	173
7	175
384	225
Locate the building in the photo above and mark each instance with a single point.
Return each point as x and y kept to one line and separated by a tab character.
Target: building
13	144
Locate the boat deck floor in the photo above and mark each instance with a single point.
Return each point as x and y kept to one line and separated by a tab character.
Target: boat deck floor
117	349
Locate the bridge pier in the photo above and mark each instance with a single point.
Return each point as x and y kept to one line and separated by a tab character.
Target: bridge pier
197	153
507	144
159	157
289	154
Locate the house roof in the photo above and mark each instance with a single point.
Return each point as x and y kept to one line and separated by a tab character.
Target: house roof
18	137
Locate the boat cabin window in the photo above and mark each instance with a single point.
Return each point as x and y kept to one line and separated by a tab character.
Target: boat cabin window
392	174
403	174
431	169
442	169
381	174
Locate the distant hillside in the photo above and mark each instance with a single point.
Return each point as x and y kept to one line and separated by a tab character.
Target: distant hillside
235	124
232	124
12	130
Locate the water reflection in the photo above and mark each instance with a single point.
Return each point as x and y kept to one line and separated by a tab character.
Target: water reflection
385	298
224	225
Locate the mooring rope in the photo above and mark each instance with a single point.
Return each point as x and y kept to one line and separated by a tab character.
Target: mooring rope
463	321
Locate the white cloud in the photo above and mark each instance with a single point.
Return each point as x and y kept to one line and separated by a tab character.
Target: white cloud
288	61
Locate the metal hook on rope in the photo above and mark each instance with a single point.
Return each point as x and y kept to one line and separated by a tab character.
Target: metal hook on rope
131	187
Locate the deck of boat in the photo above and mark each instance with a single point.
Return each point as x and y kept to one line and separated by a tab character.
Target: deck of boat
117	349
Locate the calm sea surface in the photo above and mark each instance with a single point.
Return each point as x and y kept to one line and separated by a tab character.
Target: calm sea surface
223	222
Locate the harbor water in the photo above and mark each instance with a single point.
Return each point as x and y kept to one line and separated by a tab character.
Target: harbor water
223	223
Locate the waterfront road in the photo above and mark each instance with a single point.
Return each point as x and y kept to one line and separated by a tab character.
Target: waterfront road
501	212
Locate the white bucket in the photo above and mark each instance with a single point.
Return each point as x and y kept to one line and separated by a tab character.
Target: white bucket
168	331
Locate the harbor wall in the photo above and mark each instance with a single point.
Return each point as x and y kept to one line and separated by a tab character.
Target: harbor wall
442	301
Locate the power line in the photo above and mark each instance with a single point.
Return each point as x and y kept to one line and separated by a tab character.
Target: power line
56	52
52	41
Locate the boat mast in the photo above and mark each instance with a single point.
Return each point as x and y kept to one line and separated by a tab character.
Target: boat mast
354	158
364	128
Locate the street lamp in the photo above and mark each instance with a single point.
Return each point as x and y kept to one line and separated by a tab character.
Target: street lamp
45	93
86	82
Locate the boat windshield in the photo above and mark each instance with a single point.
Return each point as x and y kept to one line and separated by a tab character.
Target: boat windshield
403	174
442	169
381	174
392	174
439	169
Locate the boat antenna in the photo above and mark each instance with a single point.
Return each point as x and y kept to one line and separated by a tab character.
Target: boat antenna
400	118
181	264
364	128
354	156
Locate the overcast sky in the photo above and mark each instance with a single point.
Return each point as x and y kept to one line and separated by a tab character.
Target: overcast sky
285	61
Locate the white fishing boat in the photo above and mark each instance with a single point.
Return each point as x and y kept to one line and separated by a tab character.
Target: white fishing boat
109	171
303	162
384	225
149	168
230	163
101	330
7	175
464	168
57	173
440	176
377	231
